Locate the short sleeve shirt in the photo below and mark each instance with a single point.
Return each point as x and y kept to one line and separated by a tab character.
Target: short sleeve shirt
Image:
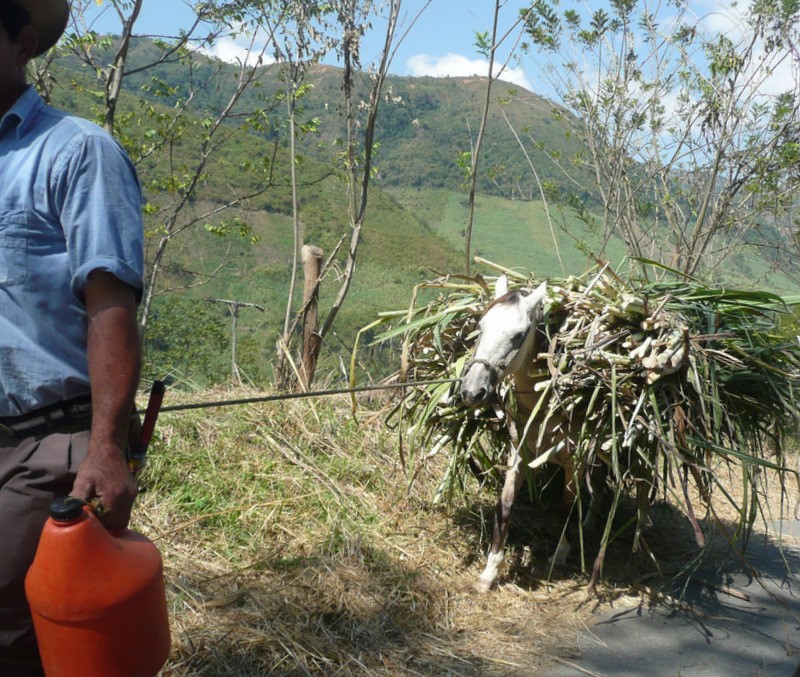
70	203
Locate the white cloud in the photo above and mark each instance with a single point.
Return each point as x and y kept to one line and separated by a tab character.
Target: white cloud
771	72
456	65
241	47
719	16
227	50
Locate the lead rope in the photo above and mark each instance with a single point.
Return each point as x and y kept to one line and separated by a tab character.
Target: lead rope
298	396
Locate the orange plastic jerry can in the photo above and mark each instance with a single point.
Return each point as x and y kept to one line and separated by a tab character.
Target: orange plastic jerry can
97	598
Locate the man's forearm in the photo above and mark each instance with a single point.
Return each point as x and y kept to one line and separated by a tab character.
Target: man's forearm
114	356
114	362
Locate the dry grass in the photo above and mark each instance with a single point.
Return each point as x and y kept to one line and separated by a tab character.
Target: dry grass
292	547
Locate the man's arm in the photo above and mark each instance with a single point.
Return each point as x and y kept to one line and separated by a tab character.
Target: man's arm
114	362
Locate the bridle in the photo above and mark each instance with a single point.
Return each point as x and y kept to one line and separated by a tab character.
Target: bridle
495	372
498	371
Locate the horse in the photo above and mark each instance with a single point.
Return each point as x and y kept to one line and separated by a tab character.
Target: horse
508	342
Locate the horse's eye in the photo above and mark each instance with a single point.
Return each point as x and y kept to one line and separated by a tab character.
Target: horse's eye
518	339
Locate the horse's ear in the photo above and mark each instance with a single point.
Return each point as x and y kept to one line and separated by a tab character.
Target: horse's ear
501	286
540	292
536	298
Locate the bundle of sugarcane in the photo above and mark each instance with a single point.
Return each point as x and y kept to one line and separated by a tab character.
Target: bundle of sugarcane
662	376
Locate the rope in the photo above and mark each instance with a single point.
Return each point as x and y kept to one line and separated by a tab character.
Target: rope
297	396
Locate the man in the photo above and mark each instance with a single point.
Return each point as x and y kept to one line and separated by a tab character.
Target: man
71	265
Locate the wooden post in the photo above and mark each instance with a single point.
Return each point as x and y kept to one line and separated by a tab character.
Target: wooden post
312	262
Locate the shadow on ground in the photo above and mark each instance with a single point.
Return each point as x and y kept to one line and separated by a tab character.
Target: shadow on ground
716	611
350	609
733	619
350	606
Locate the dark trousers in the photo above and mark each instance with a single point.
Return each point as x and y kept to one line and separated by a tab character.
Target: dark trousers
33	472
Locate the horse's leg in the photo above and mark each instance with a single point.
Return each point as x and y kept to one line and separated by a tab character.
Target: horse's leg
595	485
502	516
563	548
595	481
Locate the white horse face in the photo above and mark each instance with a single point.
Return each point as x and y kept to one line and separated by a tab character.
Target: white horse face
506	340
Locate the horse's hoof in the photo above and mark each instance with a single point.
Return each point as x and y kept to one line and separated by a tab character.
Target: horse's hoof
559	559
484	585
556	561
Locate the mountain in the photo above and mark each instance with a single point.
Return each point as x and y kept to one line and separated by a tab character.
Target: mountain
416	216
423	126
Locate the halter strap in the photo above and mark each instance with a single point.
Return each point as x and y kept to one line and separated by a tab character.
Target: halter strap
479	360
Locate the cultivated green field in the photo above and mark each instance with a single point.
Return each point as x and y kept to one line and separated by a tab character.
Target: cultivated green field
512	233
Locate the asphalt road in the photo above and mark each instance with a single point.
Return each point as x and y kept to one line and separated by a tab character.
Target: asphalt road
733	624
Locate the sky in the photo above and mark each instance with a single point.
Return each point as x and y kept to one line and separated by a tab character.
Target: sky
441	42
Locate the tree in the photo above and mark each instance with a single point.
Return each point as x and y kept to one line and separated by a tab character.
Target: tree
358	153
170	140
350	20
175	132
302	30
694	155
487	44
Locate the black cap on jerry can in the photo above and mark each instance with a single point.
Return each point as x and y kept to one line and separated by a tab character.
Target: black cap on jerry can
66	509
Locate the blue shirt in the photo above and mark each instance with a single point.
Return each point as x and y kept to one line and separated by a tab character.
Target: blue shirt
70	203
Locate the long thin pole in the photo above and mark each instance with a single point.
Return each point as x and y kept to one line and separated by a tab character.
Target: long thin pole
234	306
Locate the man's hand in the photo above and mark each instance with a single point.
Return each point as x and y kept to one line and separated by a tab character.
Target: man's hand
114	359
104	476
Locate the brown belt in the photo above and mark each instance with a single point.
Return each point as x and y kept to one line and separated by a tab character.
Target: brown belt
53	418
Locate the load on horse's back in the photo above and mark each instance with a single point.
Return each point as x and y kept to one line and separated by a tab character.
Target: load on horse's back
654	387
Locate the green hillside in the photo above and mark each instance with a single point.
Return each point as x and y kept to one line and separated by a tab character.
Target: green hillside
422	128
416	219
403	242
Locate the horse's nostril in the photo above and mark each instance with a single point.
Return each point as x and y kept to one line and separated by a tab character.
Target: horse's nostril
471	398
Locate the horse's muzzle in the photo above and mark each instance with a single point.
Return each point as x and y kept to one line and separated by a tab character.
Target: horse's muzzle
477	384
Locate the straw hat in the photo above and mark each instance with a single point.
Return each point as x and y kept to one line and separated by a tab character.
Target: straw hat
49	18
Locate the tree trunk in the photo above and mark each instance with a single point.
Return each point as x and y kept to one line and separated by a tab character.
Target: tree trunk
116	72
476	151
150	287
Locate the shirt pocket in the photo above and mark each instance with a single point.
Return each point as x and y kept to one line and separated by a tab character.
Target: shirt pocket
13	247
